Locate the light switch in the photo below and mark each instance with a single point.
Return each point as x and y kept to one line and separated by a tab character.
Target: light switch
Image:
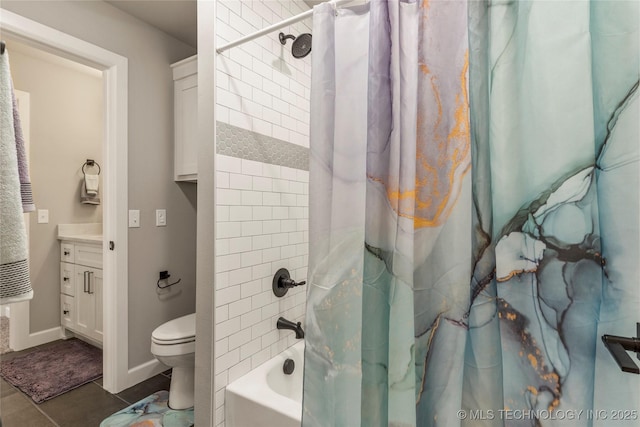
134	218
161	217
43	216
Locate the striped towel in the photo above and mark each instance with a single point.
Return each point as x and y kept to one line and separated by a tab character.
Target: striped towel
14	266
23	165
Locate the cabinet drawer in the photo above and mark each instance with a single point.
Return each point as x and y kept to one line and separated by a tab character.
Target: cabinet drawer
67	279
67	311
67	253
88	255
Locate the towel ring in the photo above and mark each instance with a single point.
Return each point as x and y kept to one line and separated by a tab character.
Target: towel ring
90	162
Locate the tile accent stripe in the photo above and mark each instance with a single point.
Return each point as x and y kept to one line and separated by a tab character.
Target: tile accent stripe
245	144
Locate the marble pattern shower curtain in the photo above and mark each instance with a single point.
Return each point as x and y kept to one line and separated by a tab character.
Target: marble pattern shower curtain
474	213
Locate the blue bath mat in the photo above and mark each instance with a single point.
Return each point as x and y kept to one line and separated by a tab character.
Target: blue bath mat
150	411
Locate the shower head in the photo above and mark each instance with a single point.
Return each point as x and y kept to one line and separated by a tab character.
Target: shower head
301	46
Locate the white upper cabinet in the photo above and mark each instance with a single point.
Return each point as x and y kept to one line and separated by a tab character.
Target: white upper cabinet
185	94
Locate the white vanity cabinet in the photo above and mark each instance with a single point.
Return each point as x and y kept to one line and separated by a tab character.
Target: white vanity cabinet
185	102
81	288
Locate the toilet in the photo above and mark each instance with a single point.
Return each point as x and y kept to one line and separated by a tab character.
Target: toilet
174	344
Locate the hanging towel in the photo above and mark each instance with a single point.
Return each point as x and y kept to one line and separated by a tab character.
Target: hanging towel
23	165
15	285
91	184
87	198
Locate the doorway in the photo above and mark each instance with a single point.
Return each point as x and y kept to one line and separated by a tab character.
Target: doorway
114	167
61	109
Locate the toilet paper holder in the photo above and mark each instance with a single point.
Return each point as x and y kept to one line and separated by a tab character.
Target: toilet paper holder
164	275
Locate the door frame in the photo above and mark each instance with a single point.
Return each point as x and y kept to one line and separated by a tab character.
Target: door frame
115	195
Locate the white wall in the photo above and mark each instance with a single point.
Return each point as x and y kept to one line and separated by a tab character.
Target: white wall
66	115
262	226
262	209
151	185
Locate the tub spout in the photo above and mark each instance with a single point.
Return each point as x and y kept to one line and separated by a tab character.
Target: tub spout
618	347
287	324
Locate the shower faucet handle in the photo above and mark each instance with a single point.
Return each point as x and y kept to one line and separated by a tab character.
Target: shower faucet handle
282	281
290	283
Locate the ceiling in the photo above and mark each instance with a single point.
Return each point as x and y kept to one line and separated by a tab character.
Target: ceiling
178	18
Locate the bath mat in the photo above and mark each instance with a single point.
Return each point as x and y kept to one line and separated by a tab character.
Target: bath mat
152	411
51	371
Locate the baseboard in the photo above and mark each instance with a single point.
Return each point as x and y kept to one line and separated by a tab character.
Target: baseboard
144	371
39	338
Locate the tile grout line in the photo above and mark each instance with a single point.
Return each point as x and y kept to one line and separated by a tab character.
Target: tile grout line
45	414
120	397
34	404
128	403
113	394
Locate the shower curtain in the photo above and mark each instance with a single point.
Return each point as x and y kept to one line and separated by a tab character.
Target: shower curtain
474	213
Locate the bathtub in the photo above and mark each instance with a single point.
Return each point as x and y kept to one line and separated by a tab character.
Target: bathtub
266	397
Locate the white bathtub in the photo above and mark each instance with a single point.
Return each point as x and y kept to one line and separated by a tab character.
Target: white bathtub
266	397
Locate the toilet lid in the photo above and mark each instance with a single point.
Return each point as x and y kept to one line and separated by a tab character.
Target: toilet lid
176	330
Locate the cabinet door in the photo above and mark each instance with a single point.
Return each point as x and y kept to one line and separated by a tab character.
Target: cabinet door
85	303
88	302
96	289
186	129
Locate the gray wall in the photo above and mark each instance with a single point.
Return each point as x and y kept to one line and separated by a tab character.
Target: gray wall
66	116
151	185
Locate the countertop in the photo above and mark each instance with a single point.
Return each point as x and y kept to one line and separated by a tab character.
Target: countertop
80	233
81	238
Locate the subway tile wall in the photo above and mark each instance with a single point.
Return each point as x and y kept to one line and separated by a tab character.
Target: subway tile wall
260	86
262	208
262	226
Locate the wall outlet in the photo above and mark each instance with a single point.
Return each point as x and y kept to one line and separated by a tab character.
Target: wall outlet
43	216
134	218
161	217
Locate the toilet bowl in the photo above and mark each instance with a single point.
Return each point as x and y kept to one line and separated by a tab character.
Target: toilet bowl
174	344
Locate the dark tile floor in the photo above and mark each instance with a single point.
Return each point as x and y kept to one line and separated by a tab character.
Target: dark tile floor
85	406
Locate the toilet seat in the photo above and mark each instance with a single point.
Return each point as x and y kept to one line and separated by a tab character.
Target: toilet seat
173	342
177	331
